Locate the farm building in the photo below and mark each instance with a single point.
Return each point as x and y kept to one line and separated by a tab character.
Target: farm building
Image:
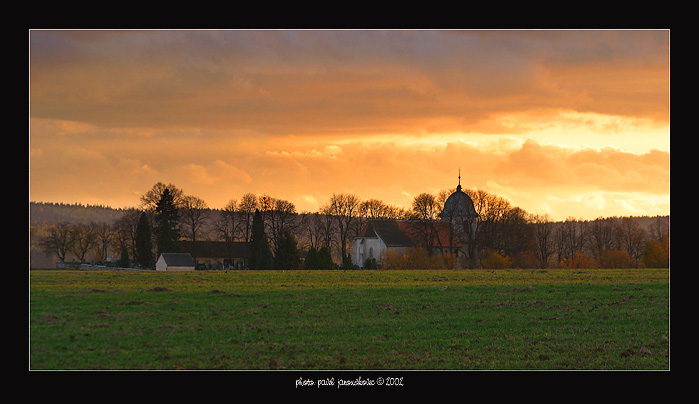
175	262
217	254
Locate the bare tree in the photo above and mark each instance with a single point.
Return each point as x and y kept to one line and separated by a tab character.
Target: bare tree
491	209
543	235
344	208
516	235
193	214
58	241
371	209
104	236
281	216
425	207
426	210
600	236
374	209
325	226
83	239
631	238
265	204
225	222
305	234
660	228
125	231
570	238
151	198
246	209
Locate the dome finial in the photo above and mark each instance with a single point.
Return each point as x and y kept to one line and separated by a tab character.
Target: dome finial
458	187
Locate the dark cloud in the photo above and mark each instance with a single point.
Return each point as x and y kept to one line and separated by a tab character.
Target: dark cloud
336	81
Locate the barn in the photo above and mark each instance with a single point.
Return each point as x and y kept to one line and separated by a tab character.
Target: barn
175	262
217	254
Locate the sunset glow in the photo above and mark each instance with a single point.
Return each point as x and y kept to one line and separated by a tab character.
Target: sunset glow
564	123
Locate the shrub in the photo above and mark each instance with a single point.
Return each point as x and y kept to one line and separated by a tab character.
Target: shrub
491	259
526	259
615	259
416	258
655	255
579	261
370	263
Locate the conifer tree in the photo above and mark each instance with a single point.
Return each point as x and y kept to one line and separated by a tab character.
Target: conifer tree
144	244
124	261
260	252
347	262
325	260
311	261
287	255
166	217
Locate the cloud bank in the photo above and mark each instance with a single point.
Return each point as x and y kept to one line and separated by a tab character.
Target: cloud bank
559	122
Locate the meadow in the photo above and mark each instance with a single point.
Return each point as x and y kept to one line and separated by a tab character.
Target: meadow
552	319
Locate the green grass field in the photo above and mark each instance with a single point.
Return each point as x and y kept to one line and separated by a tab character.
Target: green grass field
394	320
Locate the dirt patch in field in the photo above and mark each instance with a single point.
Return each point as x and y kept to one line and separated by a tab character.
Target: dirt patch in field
219	292
132	303
159	289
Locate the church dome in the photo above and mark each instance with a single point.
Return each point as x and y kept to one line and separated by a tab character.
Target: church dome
458	204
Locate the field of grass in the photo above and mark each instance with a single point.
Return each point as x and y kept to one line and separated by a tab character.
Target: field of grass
407	320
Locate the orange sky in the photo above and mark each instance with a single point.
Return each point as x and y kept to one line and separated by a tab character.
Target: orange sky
564	123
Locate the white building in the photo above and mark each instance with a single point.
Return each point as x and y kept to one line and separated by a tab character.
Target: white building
175	262
378	236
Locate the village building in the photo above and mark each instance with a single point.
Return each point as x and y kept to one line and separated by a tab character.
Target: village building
175	262
378	236
217	254
454	233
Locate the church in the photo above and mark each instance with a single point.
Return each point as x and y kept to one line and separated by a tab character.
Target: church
454	233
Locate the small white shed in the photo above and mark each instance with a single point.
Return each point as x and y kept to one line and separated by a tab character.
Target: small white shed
175	262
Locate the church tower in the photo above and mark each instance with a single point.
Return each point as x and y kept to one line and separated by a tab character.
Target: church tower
460	212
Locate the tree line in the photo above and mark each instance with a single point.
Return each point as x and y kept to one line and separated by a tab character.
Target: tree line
278	235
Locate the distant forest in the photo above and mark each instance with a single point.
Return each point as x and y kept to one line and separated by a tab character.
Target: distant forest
508	236
48	214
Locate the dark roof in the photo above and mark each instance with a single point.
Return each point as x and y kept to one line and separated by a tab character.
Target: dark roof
178	259
216	249
406	233
388	231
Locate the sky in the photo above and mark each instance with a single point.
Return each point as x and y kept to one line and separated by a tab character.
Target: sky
565	123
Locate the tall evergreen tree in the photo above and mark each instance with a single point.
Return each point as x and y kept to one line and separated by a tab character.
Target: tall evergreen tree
347	262
124	261
287	255
325	260
144	243
260	252
166	219
311	261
